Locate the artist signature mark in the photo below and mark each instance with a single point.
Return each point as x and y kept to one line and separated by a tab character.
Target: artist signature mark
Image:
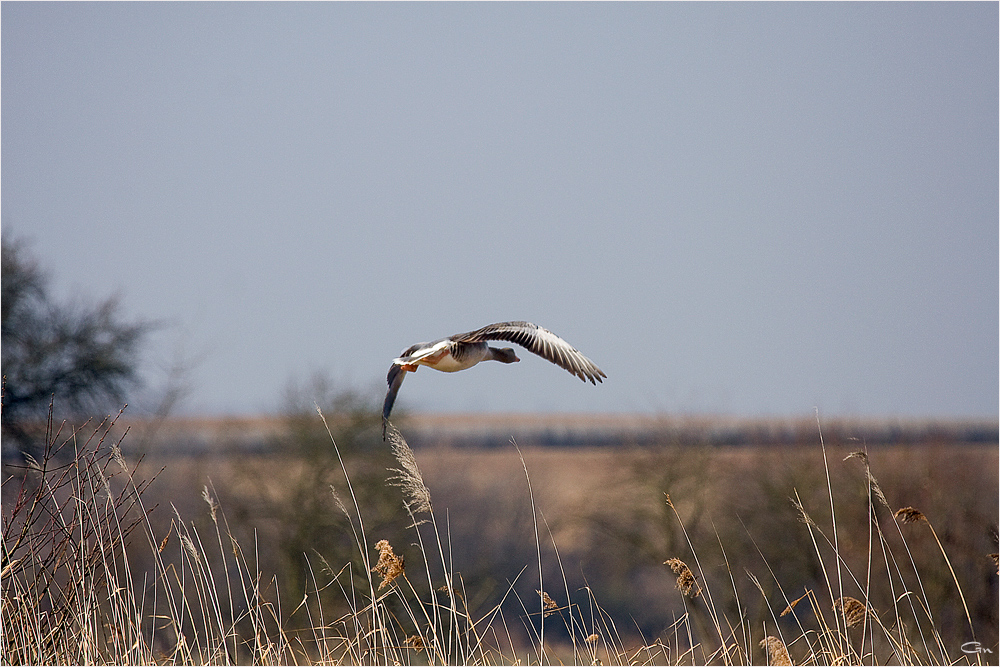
974	647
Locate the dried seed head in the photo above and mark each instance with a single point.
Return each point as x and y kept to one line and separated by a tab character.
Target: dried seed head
996	561
686	582
389	565
592	639
777	654
188	544
910	515
450	592
791	605
338	501
415	642
116	453
854	611
212	505
163	544
549	605
878	491
872	482
861	456
803	515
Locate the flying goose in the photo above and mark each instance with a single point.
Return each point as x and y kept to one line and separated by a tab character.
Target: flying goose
465	350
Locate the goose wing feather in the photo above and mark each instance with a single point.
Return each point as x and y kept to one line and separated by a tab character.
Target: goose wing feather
395	380
540	341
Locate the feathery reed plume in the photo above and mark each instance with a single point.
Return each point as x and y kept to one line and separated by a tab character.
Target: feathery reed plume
854	610
338	501
212	505
803	515
777	654
389	565
685	578
190	548
549	605
910	515
417	498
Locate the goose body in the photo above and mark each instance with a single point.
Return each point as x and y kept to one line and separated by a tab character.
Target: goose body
465	350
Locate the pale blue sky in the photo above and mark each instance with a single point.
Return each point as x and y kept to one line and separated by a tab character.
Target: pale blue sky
752	209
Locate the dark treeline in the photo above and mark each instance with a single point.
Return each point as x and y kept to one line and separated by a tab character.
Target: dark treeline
184	437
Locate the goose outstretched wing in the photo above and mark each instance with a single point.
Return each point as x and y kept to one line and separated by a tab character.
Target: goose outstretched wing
542	342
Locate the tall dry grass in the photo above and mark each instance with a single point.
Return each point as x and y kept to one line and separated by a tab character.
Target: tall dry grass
75	522
71	530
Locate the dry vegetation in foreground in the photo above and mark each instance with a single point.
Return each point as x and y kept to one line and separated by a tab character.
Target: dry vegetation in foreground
834	577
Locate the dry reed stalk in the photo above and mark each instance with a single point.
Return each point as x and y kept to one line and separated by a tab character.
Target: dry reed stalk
777	654
685	578
872	482
67	594
913	515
